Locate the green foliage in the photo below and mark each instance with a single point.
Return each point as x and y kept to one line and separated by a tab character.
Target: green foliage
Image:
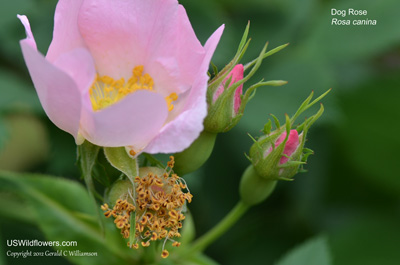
374	234
371	128
312	252
64	212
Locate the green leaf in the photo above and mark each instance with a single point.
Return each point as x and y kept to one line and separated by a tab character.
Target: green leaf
312	252
118	158
65	212
15	208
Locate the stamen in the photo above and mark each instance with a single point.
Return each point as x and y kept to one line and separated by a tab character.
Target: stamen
172	97
106	91
157	204
165	254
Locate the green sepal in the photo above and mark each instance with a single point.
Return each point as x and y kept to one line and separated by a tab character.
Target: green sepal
269	53
87	155
267	162
276	121
119	158
251	91
291	164
267	127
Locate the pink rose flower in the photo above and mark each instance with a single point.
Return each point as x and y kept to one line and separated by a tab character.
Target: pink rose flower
123	73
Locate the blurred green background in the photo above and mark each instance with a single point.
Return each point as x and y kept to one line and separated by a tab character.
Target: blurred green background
351	193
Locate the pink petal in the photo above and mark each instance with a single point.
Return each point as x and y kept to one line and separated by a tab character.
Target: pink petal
30	40
133	121
237	75
291	144
57	92
124	34
182	131
66	35
79	64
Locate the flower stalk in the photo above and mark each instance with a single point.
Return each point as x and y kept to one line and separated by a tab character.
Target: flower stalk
226	223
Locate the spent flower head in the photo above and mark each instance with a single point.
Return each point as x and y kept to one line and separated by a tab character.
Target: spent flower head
150	210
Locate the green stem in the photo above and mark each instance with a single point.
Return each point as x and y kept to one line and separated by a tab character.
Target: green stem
226	223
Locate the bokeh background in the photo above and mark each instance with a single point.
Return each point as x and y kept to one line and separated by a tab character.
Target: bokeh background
351	192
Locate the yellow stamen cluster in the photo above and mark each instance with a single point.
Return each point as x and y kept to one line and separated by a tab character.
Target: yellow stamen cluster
121	212
157	203
106	91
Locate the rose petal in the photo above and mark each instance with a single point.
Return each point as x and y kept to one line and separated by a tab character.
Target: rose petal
30	40
79	64
66	35
57	92
237	75
124	34
133	121
182	131
291	144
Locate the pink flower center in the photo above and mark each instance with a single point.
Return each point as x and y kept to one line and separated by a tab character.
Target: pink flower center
106	91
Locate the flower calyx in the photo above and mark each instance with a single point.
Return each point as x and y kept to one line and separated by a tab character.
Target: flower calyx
280	154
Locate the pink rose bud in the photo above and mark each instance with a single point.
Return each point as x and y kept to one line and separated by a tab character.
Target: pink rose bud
278	156
235	75
223	111
290	146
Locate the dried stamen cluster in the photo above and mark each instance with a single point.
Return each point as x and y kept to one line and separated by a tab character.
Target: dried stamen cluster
157	203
